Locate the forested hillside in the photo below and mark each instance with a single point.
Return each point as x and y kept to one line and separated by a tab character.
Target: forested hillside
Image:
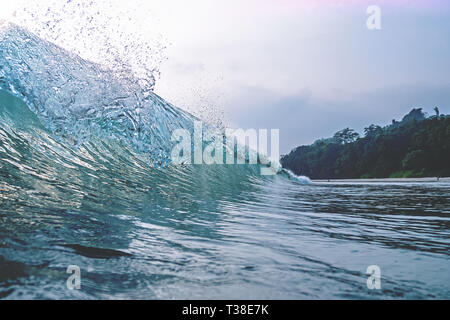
417	146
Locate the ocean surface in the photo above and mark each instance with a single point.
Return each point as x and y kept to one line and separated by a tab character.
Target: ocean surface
86	181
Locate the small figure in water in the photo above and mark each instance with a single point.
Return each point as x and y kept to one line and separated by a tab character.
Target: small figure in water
438	178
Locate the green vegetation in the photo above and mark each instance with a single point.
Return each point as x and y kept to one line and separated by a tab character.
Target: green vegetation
417	146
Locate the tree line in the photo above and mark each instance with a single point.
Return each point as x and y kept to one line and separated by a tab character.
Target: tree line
416	146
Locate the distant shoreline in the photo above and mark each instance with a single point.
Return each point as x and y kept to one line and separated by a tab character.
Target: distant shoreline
415	147
425	179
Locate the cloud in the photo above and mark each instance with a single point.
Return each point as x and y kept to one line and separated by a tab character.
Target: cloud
303	119
308	72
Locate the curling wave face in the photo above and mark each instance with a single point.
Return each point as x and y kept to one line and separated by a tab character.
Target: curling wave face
79	99
86	180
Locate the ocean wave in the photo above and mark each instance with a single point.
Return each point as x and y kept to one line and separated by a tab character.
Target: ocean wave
86	180
77	100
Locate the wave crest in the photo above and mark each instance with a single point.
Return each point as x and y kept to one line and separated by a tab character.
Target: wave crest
77	98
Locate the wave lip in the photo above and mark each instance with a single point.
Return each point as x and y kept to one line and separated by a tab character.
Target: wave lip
77	98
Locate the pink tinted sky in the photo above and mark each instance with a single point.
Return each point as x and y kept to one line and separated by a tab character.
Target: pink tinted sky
309	4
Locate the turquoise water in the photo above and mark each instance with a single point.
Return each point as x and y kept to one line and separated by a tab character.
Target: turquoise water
86	180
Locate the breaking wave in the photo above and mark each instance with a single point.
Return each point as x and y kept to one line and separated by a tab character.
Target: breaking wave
86	179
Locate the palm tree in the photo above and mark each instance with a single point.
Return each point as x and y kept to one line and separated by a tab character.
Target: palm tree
436	109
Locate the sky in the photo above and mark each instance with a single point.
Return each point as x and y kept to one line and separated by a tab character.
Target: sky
308	68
